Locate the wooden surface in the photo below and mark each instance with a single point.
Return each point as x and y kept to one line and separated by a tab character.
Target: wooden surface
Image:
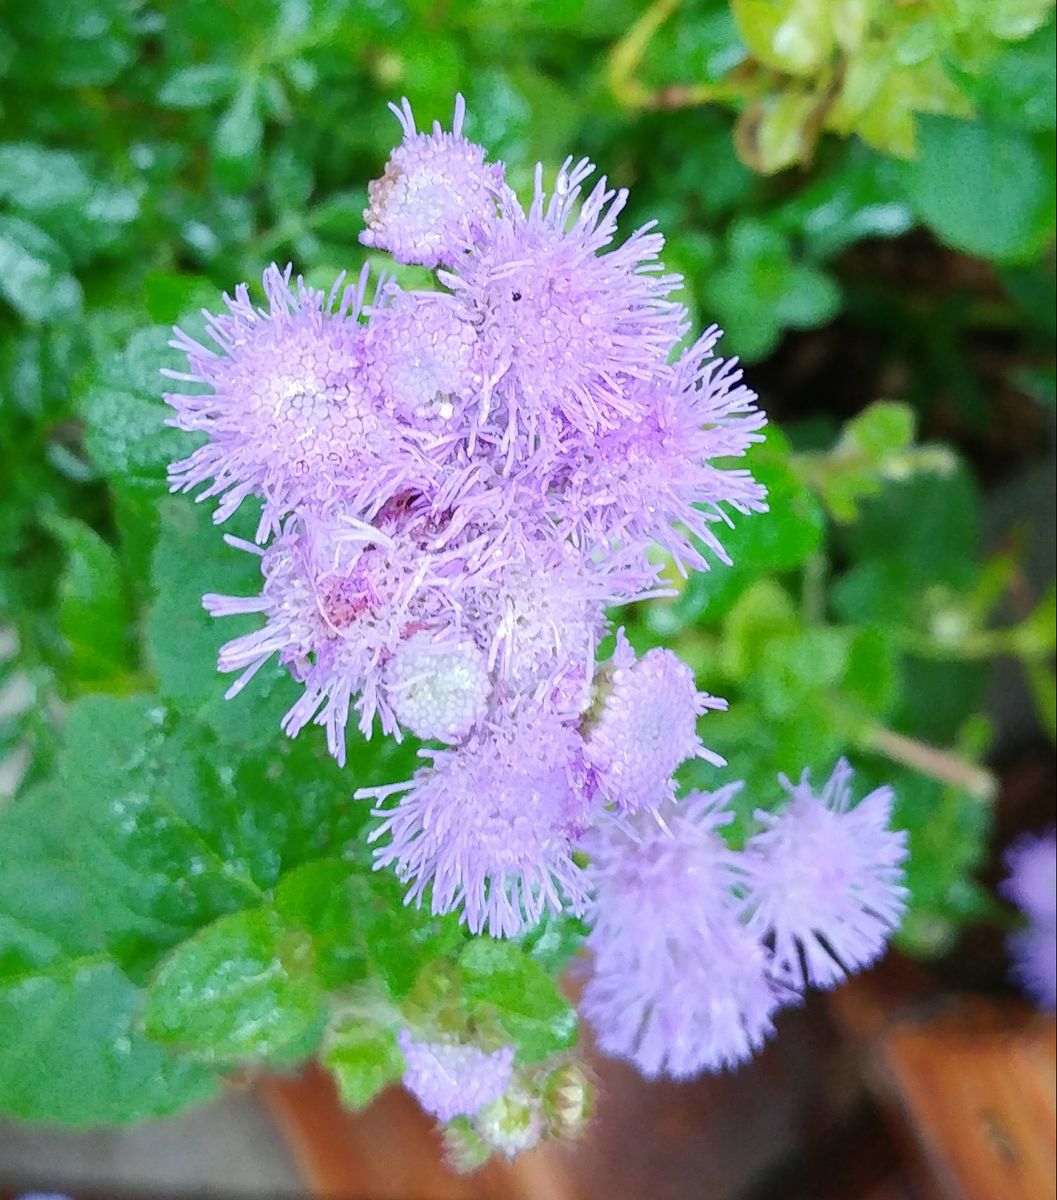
970	1084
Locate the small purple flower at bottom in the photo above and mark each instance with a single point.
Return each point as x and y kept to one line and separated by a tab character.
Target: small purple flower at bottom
453	1079
679	985
1032	881
825	880
1032	887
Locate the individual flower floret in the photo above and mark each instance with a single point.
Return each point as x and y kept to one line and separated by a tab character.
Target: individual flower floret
420	357
286	414
437	688
454	1079
436	196
646	725
486	828
678	984
1031	885
824	880
653	477
565	327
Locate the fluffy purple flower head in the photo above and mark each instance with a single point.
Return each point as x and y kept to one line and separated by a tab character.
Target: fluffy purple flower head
487	827
546	614
567	325
1032	880
285	411
436	196
454	1079
679	985
653	478
646	726
1031	885
824	880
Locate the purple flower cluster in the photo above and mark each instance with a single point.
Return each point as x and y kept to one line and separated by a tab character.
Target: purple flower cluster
1032	886
697	946
454	485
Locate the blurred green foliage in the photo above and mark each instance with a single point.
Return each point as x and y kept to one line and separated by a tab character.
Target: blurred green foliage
181	889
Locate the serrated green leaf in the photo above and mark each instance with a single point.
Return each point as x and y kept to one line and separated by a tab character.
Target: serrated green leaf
126	433
65	1006
242	988
71	1052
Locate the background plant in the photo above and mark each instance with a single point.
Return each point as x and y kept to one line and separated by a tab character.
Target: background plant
170	870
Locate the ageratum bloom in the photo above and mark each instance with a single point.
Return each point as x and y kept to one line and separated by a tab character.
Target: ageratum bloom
678	984
567	326
454	1079
646	725
1032	886
437	195
824	880
486	828
653	477
285	409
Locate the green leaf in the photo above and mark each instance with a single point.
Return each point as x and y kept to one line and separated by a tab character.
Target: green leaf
164	830
242	988
199	86
360	924
1010	219
788	670
37	179
34	275
948	842
191	559
764	612
500	981
794	36
71	1051
364	1058
126	433
237	138
762	290
937	522
1019	87
94	615
861	198
71	1048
